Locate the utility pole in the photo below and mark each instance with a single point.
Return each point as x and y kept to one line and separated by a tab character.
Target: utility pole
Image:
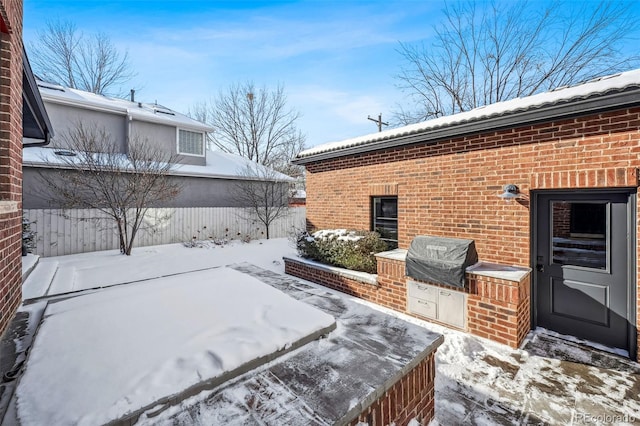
379	121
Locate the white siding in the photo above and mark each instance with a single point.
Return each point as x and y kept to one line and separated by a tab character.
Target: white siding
61	232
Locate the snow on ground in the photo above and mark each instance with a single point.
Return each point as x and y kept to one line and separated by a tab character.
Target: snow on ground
101	355
29	262
549	381
100	269
552	379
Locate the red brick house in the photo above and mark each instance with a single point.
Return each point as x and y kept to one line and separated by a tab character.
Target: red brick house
23	122
546	187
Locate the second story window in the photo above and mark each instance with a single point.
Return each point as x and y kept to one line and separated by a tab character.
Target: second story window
190	143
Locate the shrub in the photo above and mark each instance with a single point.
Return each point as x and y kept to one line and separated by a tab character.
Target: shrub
343	248
28	237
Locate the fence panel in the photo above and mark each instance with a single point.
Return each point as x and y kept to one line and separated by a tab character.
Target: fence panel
62	232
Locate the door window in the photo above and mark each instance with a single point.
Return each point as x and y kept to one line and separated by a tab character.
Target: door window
579	234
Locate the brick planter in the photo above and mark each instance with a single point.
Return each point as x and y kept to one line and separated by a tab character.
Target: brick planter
497	302
411	397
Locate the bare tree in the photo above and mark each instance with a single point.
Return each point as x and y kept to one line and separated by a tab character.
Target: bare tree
265	194
254	123
509	50
66	56
94	174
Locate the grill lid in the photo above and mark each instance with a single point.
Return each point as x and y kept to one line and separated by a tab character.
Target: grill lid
440	260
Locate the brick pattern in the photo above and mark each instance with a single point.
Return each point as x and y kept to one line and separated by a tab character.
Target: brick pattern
619	177
439	186
497	309
346	285
412	397
450	188
10	157
378	189
561	219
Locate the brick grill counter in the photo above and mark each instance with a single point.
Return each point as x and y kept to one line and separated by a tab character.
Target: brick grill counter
497	296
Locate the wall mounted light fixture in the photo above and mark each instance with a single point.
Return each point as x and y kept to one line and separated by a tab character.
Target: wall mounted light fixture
511	192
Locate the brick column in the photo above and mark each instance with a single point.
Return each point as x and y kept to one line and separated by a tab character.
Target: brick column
10	159
499	309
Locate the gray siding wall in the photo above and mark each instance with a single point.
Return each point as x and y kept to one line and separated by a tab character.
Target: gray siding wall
166	137
196	191
65	118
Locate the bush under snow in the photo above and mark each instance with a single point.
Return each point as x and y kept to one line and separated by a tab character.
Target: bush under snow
350	249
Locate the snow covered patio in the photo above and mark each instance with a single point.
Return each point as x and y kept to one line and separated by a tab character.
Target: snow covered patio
550	380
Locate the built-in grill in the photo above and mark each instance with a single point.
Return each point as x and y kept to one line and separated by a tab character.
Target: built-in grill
440	260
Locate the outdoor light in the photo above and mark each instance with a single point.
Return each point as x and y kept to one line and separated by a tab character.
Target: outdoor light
510	192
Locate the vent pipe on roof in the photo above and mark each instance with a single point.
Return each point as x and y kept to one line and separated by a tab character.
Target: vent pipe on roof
133	95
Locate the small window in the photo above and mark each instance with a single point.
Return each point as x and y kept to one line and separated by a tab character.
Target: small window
385	219
190	143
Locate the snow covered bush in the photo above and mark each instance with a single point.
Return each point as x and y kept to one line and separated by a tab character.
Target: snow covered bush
344	248
28	237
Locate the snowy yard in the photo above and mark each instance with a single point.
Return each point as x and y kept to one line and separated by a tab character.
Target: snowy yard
550	380
147	341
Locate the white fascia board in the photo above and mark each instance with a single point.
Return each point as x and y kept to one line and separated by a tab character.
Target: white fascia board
43	165
78	103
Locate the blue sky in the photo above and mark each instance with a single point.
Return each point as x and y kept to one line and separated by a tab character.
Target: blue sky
336	59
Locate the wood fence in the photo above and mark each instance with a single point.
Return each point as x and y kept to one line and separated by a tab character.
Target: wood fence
61	232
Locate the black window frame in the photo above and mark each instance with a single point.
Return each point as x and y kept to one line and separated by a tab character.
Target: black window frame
385	220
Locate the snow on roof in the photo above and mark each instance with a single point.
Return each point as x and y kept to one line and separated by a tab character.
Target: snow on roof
223	165
137	110
299	193
220	165
594	87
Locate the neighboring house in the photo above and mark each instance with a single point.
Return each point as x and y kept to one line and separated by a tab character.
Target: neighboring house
208	178
568	160
23	122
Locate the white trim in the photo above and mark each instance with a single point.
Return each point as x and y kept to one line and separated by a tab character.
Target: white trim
204	137
173	172
82	104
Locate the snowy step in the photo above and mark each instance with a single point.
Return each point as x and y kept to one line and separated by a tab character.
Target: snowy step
39	280
29	263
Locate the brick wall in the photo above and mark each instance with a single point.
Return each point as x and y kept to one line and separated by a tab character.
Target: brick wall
497	309
10	158
450	188
412	397
352	287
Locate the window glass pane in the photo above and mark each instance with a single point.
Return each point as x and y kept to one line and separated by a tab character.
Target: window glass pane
190	142
580	234
385	219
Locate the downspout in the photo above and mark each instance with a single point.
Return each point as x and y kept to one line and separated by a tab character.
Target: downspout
129	120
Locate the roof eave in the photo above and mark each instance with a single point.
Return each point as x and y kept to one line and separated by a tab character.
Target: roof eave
177	172
124	111
563	110
34	106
